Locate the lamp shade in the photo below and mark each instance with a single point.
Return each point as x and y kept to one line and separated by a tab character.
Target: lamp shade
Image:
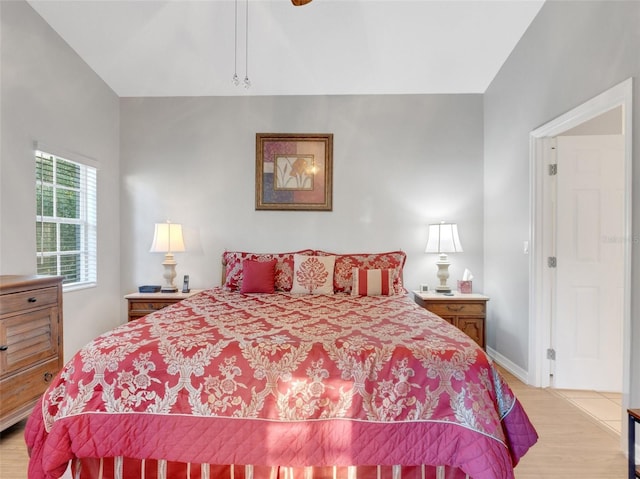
167	238
443	238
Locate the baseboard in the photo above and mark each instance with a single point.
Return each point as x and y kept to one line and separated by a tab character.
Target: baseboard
507	364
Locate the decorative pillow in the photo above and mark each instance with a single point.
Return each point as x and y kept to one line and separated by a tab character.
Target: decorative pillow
343	272
313	274
372	282
258	276
232	261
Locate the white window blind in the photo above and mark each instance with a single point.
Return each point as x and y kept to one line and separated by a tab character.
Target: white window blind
66	219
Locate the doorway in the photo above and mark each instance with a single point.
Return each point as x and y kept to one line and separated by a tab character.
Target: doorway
544	284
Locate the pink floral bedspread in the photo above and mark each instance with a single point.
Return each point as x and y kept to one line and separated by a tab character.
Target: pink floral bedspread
281	379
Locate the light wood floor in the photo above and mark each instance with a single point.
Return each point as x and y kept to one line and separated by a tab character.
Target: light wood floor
571	444
606	407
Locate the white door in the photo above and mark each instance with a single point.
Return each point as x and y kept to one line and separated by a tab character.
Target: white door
587	328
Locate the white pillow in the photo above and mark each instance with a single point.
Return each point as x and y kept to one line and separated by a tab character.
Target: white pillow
313	274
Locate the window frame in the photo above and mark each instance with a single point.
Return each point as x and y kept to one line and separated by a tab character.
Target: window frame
87	189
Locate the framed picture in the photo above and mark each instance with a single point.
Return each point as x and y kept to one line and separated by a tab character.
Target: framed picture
294	171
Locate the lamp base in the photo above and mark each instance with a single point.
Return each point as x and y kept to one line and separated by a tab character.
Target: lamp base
169	274
443	274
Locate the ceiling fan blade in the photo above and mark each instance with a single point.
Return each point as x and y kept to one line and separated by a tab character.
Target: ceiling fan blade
299	3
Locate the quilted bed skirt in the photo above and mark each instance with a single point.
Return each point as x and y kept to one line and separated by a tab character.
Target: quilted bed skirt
119	468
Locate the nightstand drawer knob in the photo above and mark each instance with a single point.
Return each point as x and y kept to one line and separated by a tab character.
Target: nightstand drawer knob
455	308
4	347
32	299
48	377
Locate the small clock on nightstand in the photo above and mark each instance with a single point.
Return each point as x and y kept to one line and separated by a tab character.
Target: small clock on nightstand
467	312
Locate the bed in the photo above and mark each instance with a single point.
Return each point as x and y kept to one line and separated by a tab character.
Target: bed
301	365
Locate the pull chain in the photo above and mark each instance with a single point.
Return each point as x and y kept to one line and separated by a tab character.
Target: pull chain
247	83
235	79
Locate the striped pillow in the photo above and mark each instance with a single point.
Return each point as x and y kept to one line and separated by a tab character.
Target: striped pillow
372	282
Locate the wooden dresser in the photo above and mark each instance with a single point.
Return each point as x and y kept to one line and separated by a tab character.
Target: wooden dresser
31	351
467	312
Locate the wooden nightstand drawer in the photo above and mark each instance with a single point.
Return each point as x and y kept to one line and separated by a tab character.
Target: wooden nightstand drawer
457	308
141	304
147	306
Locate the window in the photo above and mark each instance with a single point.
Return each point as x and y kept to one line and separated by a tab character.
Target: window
66	219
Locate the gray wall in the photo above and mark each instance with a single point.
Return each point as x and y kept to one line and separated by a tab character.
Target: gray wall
572	52
48	94
400	162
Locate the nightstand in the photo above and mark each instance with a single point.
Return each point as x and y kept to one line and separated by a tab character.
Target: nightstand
141	304
467	312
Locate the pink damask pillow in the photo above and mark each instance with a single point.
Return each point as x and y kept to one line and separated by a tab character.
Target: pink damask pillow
232	261
372	282
343	272
313	274
258	276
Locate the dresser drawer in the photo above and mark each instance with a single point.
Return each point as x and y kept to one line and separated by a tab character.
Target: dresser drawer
17	302
27	386
457	308
28	338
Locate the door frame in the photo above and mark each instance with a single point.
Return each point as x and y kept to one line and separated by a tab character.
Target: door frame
541	284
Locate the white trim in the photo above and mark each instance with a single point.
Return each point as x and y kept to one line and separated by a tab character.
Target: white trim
79	286
510	366
66	154
539	326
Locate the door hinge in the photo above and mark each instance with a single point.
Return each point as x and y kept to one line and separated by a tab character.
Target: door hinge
551	354
552	262
553	169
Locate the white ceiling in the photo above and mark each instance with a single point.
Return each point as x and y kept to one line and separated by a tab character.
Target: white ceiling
328	47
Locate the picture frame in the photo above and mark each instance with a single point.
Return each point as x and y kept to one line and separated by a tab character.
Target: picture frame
294	171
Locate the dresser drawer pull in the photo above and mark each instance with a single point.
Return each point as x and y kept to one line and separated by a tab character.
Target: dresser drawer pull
47	377
32	299
4	347
455	308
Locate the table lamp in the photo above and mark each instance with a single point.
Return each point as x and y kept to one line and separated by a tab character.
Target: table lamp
443	239
167	239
